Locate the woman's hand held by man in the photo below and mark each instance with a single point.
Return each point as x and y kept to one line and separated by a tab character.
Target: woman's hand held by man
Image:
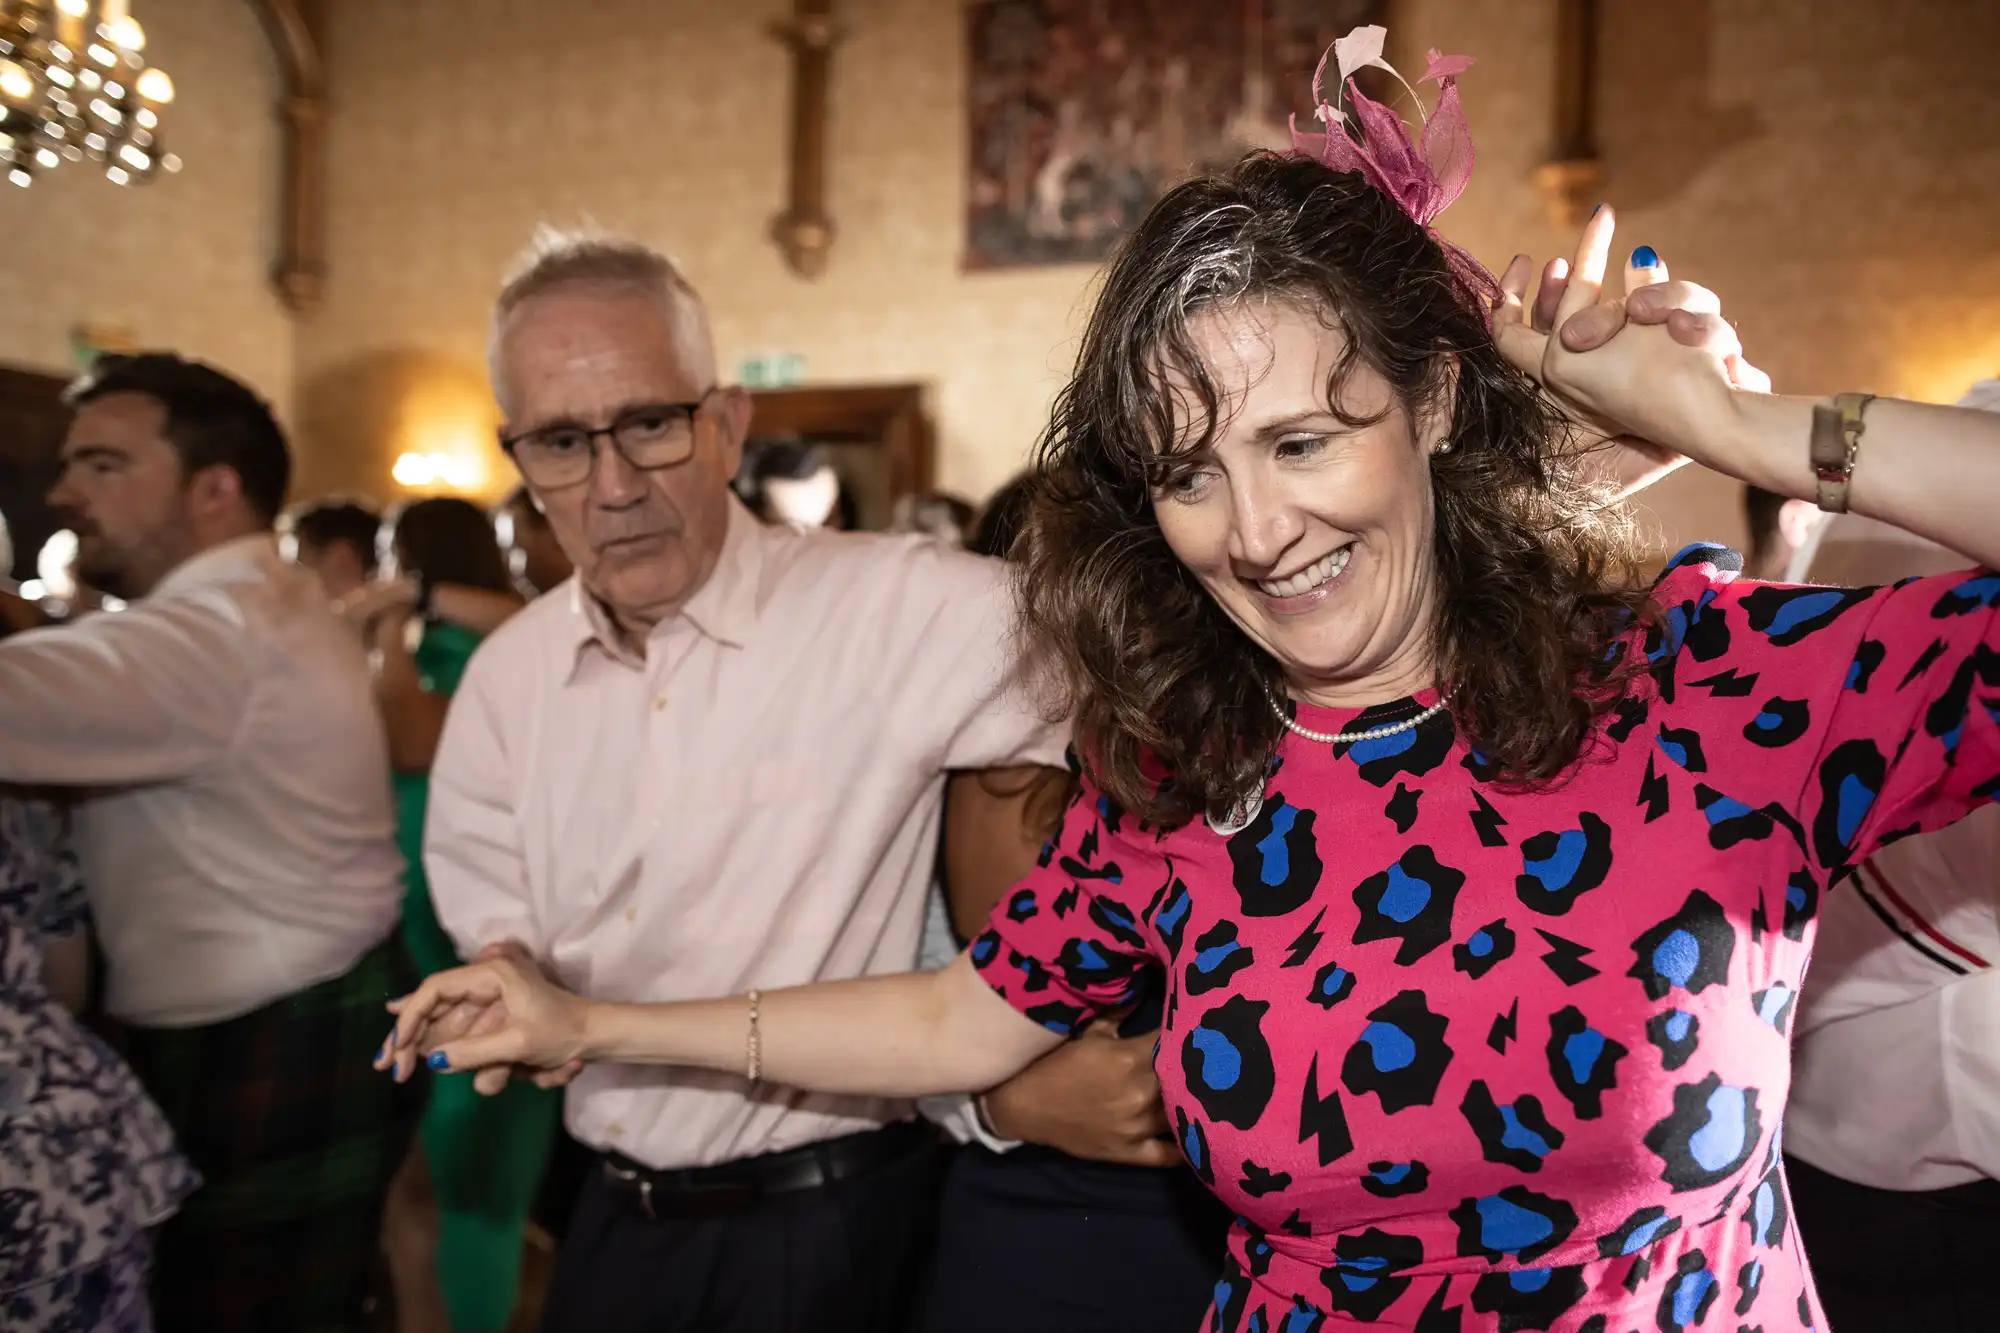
491	1016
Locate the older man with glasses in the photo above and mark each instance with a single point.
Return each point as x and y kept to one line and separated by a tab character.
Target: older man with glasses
714	761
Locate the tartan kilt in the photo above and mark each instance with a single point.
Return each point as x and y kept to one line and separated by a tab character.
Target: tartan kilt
297	1138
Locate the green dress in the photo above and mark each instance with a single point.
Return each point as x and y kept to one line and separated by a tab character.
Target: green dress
486	1154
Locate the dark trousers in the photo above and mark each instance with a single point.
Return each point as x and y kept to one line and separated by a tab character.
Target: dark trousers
1035	1239
1890	1261
845	1257
296	1137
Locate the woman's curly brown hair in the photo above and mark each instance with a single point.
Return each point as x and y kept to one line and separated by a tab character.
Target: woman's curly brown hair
1166	696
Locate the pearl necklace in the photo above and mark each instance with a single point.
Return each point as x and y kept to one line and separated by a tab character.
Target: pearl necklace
1356	737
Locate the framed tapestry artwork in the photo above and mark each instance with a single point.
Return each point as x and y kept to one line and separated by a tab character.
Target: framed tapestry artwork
1083	112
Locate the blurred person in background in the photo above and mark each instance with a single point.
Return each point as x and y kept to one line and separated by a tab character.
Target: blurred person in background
237	835
460	1205
1073	1209
939	514
1779	526
791	482
335	539
18	611
1892	1137
88	1166
533	553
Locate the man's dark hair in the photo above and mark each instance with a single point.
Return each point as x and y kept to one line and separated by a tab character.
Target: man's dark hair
448	540
1000	521
784	458
212	420
1761	509
325	522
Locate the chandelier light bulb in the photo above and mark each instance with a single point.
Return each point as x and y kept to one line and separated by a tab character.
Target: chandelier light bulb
126	34
74	86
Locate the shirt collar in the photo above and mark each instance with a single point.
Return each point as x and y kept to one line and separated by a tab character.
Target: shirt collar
239	560
724	608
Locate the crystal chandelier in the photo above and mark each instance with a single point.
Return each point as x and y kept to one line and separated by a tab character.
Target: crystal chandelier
74	87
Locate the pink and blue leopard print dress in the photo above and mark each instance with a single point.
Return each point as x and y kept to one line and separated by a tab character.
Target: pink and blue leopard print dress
1463	1058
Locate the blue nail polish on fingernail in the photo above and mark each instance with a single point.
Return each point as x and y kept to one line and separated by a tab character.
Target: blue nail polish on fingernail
1595	211
1645	257
436	1060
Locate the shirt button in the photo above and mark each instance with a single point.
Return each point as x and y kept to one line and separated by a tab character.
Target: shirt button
659	703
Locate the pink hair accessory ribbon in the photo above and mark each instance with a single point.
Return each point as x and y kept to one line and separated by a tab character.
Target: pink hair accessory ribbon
1424	173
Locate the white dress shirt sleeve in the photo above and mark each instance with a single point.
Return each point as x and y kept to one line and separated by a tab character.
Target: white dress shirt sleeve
144	695
472	838
964	648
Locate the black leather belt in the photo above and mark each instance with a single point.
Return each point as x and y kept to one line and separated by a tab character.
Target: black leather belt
734	1187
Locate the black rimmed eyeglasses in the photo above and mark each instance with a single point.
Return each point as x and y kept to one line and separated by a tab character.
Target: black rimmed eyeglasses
649	436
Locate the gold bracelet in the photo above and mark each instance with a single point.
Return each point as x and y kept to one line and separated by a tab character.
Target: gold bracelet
756	1051
1837	429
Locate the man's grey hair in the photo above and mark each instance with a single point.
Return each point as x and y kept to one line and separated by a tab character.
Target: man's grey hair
557	258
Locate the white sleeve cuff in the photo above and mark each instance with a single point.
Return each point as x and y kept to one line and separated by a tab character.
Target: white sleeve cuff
957	1114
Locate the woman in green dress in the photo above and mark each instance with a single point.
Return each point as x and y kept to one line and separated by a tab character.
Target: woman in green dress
446	586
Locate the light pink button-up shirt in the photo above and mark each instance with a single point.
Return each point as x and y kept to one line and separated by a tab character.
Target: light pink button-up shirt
755	802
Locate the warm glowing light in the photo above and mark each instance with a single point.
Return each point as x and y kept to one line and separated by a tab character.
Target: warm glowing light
20	178
117	175
418	471
135	158
155	86
103	55
126	34
147	118
52	564
76	9
14	81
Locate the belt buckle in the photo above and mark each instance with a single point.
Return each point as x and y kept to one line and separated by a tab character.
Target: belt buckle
644	1182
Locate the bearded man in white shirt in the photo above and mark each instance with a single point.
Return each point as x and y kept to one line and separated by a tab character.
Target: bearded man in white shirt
234	821
715	759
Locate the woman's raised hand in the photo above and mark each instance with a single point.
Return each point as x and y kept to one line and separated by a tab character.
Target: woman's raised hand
1644	391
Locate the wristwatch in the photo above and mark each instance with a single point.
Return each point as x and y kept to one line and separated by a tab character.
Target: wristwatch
1836	442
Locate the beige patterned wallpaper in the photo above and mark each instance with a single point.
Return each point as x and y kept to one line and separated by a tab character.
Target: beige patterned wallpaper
1831	166
181	263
